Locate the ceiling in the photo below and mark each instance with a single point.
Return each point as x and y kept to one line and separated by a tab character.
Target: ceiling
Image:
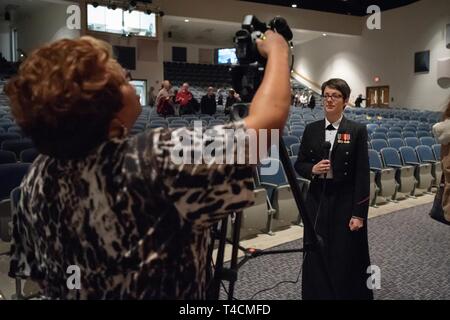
28	6
352	7
214	33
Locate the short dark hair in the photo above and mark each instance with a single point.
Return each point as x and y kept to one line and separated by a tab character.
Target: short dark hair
338	84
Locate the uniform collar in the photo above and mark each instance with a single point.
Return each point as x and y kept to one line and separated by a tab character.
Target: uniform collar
335	124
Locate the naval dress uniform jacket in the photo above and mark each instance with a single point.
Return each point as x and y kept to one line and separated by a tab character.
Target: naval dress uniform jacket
331	203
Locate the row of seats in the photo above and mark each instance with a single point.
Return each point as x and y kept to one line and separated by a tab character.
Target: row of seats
396	143
403	134
404	172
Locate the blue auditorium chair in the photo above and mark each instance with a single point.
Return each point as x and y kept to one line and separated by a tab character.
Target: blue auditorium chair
396	143
290	140
396	129
404	174
7	157
379	135
436	151
422	170
378	144
17	146
425	155
427	141
296	133
394	134
29	155
295	148
272	177
381	130
408	134
421	134
412	142
8	136
11	176
384	178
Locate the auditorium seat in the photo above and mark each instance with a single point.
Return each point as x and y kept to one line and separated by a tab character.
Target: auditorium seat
272	177
425	155
17	146
11	176
422	170
29	155
427	141
378	144
396	143
384	178
404	174
7	157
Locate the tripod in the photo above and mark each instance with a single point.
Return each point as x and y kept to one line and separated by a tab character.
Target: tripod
230	274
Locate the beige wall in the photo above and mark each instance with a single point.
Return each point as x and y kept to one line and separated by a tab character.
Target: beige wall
149	52
193	51
43	26
387	53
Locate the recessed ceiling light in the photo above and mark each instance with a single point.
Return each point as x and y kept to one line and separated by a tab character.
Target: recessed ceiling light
324	34
293	5
186	20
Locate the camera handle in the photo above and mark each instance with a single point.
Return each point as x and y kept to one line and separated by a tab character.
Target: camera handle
230	274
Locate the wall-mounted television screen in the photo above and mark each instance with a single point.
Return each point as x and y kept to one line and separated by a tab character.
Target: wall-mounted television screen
121	21
126	56
226	56
422	61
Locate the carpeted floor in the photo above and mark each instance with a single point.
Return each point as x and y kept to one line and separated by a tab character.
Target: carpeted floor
411	249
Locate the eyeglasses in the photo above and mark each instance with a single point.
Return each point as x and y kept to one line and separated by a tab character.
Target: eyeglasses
334	97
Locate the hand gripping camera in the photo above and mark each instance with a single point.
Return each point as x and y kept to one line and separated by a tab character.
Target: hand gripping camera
248	73
253	29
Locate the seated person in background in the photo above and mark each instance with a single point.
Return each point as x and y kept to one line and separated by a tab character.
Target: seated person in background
184	98
208	104
232	98
134	222
164	100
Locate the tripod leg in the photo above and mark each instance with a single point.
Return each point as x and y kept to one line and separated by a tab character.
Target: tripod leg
234	254
214	292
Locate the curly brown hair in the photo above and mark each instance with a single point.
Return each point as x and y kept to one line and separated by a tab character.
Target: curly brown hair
65	96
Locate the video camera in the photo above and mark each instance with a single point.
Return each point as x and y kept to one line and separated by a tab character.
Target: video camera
252	29
249	72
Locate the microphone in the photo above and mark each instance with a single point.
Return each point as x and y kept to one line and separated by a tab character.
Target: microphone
326	146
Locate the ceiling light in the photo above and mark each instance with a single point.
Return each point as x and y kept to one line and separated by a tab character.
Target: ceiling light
186	20
324	34
293	5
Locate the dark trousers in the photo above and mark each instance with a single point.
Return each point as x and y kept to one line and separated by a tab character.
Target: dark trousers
346	252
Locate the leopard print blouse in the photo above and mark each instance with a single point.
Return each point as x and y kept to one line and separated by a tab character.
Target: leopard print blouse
133	222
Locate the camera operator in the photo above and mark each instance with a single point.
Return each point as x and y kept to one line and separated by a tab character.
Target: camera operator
133	221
